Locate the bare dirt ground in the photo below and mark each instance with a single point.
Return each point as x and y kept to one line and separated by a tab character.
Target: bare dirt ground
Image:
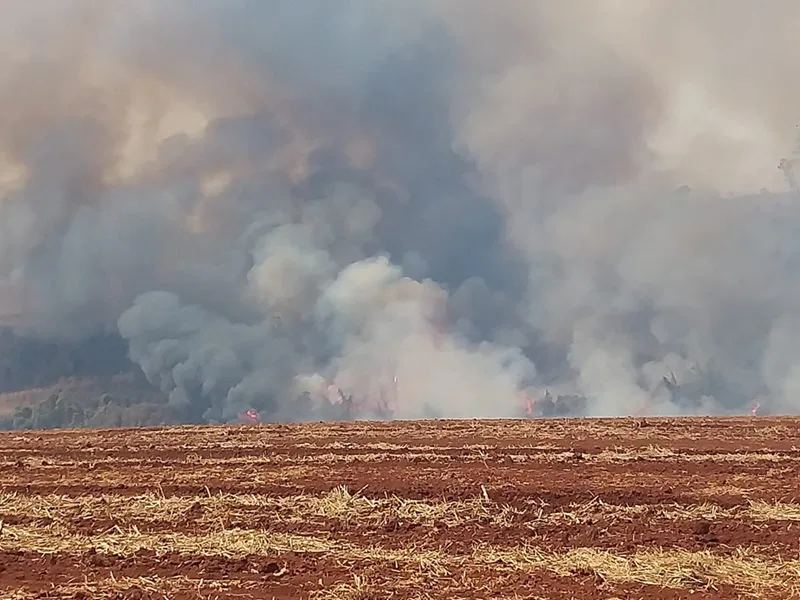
606	509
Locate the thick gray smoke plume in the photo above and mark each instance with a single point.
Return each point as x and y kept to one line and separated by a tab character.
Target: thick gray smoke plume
439	206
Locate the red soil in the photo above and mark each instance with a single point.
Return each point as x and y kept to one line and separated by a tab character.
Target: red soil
556	463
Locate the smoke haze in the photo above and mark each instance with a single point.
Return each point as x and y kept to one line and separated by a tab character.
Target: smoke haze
457	199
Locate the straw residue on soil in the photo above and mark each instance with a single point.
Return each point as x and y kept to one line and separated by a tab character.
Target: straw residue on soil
665	509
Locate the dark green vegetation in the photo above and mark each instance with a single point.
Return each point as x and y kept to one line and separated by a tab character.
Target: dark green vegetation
116	402
90	383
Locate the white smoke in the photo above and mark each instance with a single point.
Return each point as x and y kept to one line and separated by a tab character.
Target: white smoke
477	199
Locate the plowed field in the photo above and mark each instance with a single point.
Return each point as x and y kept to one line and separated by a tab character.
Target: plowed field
656	508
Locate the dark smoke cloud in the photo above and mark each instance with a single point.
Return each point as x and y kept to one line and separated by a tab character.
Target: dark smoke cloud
477	199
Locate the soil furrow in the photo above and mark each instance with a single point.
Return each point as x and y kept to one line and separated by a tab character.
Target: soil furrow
625	508
641	483
746	571
291	576
399	521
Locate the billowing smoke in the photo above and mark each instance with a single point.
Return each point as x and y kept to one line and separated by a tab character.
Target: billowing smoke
418	208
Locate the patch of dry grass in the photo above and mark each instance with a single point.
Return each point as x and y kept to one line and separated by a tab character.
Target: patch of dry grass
747	431
233	543
358	589
339	504
381	453
227	544
744	570
355	509
116	587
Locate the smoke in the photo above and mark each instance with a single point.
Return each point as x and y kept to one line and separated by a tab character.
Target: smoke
434	205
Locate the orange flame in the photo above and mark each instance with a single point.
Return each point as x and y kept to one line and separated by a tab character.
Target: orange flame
527	404
249	416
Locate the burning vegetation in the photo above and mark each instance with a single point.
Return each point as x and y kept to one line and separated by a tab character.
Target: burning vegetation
431	210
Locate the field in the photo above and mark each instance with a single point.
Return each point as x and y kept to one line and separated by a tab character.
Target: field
607	509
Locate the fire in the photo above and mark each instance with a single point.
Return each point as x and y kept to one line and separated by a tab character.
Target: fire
250	416
527	404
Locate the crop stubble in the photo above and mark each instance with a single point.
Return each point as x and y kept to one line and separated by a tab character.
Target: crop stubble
662	508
